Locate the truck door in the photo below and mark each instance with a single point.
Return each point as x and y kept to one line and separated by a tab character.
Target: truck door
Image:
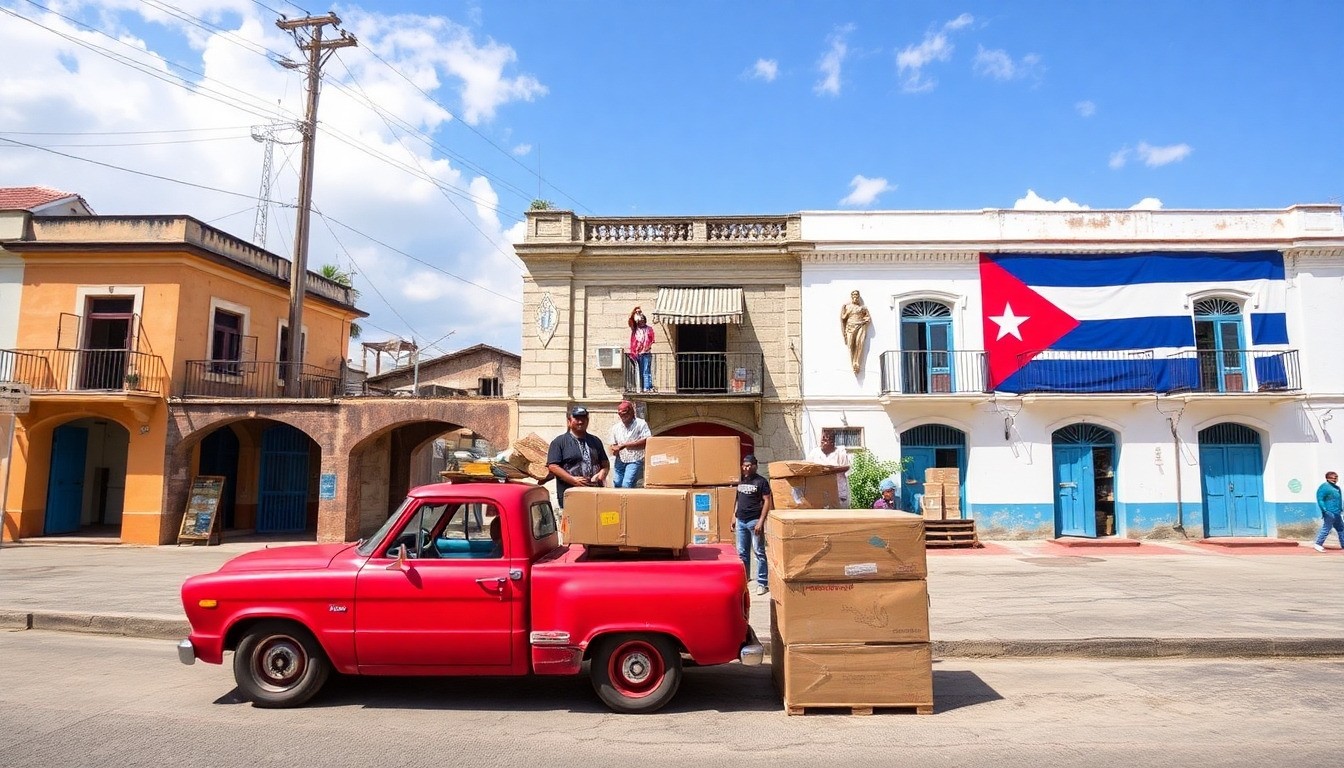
450	604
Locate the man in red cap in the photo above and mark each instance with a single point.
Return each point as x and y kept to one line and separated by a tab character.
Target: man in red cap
628	436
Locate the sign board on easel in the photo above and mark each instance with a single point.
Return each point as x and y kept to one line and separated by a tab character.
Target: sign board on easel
201	520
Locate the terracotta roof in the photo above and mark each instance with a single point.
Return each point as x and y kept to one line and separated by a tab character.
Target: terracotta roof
28	198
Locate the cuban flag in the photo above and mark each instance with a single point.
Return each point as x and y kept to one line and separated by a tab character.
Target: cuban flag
1117	322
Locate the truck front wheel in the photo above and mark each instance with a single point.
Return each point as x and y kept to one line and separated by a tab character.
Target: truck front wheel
636	674
279	664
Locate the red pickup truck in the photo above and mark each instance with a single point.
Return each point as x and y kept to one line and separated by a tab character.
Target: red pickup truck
469	579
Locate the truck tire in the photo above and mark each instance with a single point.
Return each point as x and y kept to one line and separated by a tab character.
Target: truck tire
636	674
279	664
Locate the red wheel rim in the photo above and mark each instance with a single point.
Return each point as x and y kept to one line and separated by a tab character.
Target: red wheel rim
636	669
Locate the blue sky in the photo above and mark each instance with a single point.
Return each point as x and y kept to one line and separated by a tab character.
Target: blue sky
633	108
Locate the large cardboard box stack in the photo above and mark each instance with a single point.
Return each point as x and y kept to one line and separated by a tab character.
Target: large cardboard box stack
708	469
942	493
806	485
849	617
632	518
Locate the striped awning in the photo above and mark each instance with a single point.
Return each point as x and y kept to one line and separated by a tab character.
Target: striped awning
698	306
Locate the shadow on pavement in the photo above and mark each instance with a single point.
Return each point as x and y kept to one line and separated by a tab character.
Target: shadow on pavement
955	688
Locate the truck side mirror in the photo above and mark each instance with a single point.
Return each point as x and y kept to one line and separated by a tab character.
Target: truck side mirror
400	563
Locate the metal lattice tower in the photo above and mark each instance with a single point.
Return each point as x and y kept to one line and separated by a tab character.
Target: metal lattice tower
266	135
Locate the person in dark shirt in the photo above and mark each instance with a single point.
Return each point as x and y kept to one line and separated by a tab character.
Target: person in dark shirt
754	503
577	458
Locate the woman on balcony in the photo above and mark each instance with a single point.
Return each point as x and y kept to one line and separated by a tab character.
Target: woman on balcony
641	348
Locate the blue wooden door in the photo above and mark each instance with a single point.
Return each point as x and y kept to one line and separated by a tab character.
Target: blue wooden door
1233	489
912	479
65	480
282	504
1075	493
1213	479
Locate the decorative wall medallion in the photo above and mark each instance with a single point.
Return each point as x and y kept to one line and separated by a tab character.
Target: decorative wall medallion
548	319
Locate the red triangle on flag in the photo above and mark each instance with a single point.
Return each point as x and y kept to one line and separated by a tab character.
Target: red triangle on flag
1019	323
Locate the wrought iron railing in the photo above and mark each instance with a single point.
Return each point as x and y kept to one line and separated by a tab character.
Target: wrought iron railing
933	373
697	373
1089	372
253	379
84	370
1234	370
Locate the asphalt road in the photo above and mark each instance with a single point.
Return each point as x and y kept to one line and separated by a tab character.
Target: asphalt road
78	700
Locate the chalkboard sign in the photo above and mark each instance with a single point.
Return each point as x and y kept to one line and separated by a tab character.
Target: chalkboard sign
201	520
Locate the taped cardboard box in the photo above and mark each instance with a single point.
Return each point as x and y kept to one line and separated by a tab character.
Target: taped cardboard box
850	675
845	545
529	455
850	611
692	461
711	514
931	505
627	517
806	485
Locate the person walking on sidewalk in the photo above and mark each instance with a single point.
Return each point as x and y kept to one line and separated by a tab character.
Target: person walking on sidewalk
1328	500
754	503
628	436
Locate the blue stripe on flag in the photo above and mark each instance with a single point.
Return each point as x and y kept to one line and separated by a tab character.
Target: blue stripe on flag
1138	375
1130	333
1106	269
1269	328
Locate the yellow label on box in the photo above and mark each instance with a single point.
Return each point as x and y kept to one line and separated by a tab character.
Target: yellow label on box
610	518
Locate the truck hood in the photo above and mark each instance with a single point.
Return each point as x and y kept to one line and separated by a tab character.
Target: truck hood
296	558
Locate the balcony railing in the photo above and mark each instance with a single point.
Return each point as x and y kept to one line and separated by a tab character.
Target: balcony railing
1235	370
253	379
84	370
933	373
699	373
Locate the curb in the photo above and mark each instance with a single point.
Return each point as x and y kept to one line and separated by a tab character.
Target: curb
171	628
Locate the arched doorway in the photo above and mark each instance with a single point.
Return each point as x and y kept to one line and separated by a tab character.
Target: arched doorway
282	499
711	429
86	479
1231	478
931	446
1084	474
926	344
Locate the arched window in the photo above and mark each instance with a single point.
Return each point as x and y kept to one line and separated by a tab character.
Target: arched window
1219	346
926	348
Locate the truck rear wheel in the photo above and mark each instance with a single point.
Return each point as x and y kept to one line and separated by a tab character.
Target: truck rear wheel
279	664
636	674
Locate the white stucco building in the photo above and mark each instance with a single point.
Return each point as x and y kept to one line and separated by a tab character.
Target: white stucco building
1136	372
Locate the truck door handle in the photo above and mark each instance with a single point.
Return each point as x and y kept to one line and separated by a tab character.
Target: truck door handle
494	584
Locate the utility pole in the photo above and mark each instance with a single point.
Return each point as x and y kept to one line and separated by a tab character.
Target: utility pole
318	51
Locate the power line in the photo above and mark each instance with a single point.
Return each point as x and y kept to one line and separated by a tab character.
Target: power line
122	133
147	143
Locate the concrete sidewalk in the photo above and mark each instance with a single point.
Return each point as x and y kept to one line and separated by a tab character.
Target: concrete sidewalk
1010	599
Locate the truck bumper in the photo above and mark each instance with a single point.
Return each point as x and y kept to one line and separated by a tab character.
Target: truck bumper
186	652
752	652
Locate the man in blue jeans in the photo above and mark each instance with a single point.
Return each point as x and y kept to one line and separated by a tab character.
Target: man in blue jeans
1328	501
628	436
754	503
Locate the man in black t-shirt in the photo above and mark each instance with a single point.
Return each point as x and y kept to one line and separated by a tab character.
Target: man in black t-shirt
754	503
577	458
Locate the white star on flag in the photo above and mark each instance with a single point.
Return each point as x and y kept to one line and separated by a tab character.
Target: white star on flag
1009	324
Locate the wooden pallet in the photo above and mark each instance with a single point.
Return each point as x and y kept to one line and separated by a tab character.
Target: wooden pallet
946	534
861	709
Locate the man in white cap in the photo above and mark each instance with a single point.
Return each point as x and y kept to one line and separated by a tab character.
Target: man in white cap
628	436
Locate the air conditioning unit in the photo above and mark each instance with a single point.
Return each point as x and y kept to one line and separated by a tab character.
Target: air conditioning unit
610	358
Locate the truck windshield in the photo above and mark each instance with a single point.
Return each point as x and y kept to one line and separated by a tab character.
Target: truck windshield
366	546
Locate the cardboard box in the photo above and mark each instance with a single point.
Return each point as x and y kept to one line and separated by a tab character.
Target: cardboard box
943	475
845	545
836	675
850	611
711	514
692	461
529	455
807	485
931	505
627	517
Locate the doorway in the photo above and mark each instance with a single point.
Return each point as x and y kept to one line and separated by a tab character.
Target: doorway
86	477
931	446
1084	474
219	456
702	364
108	330
1231	479
282	504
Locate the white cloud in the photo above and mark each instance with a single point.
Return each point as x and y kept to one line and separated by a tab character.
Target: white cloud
1158	156
999	65
1152	156
1086	108
434	216
864	191
765	69
832	61
1147	204
1034	202
911	60
522	150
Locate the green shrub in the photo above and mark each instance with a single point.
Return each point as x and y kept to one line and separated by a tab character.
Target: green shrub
866	471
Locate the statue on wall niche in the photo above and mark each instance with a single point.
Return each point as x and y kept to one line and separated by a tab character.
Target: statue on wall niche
854	319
